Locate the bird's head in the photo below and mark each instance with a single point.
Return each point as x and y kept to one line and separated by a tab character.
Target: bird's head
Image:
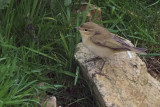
88	29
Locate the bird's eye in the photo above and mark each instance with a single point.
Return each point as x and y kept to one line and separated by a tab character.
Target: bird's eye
85	29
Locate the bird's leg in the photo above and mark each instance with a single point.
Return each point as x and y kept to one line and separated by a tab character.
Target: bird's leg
102	66
93	59
93	75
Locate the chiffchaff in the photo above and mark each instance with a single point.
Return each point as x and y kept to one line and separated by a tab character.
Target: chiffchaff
103	43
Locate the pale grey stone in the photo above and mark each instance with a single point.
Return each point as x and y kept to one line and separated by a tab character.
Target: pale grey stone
125	81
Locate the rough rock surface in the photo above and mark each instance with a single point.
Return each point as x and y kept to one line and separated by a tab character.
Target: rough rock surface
51	102
125	81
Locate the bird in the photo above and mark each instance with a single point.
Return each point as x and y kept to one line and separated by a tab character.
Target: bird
103	43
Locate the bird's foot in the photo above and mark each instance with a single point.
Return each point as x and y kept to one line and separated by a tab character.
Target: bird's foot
93	59
99	73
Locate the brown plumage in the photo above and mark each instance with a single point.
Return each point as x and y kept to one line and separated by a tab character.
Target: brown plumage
103	43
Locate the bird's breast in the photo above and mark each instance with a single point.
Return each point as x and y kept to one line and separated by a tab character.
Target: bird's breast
98	50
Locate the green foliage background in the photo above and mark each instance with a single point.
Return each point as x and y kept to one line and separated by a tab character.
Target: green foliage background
37	45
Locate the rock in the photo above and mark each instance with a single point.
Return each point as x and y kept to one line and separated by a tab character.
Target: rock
46	100
51	102
124	82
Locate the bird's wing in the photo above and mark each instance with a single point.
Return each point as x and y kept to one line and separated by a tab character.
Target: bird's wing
111	41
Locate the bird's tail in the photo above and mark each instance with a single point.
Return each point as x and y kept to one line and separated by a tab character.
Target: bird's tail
139	50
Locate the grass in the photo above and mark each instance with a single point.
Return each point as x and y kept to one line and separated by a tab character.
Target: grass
38	43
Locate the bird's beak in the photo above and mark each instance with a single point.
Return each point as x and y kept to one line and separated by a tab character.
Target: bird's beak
77	28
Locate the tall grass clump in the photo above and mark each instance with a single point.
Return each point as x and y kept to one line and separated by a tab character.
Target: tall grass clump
37	47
